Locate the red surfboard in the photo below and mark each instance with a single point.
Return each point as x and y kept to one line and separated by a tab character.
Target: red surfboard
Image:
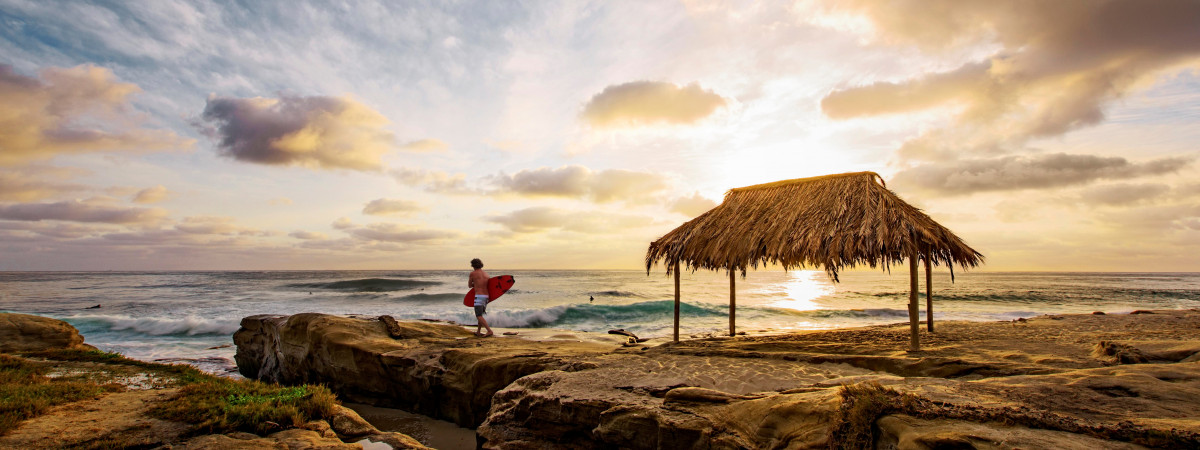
496	287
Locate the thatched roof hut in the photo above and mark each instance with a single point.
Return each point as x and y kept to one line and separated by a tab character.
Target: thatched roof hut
832	222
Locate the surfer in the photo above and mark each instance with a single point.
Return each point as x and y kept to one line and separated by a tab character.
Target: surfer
478	280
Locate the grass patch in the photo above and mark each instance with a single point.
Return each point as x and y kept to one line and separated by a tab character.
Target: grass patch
211	404
221	405
863	404
26	391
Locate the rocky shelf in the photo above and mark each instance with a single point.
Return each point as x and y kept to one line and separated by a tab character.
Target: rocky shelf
1077	381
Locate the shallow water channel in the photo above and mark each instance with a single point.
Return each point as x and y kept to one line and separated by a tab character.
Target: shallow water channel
435	433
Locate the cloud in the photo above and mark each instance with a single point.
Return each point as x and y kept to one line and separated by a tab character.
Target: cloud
1123	194
432	181
650	102
73	110
313	132
390	232
218	226
580	182
151	195
425	145
79	211
36	183
692	206
280	201
343	223
391	207
542	218
1053	70
308	235
1027	172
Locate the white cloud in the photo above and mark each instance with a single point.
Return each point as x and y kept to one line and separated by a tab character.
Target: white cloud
392	207
650	102
151	195
67	111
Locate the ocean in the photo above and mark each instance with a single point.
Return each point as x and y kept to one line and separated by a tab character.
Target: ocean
190	316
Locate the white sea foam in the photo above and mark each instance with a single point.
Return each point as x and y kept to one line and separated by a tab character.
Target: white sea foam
159	326
526	318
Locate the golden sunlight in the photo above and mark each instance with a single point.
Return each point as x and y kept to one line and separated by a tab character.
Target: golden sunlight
804	288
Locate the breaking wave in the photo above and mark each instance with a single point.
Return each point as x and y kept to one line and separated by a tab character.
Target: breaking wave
368	285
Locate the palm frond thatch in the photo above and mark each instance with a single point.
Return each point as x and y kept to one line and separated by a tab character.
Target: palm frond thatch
831	221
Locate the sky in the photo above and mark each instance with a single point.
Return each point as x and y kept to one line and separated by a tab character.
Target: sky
221	135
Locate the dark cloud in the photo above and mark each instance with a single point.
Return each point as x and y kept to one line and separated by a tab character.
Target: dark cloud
692	206
1032	172
392	207
76	110
650	102
541	218
1058	64
78	211
313	132
580	182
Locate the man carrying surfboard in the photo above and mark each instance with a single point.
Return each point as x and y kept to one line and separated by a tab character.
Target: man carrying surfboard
478	280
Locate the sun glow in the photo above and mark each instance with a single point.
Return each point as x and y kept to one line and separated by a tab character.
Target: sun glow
804	288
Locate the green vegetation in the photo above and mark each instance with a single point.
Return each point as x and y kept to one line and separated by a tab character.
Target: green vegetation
26	391
221	405
210	403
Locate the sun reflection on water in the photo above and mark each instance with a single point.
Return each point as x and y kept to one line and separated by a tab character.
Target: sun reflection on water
804	288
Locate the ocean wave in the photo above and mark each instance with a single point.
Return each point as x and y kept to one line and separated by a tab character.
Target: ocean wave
588	313
186	326
433	297
367	285
618	294
1048	296
866	313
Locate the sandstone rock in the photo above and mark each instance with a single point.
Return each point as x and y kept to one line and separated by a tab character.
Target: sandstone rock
348	424
1119	353
299	439
28	333
763	391
222	442
397	441
901	431
321	427
425	369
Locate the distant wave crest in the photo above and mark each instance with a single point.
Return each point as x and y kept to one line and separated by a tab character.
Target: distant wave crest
433	297
368	285
579	314
154	326
618	294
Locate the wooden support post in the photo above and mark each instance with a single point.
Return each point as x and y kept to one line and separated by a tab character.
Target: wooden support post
732	304
913	303
677	300
928	294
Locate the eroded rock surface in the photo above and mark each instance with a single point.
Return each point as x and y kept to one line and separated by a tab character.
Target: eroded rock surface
1047	382
28	333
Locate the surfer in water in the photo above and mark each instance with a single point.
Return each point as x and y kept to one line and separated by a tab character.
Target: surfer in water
478	280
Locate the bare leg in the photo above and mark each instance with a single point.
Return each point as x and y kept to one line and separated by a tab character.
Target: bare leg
484	323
